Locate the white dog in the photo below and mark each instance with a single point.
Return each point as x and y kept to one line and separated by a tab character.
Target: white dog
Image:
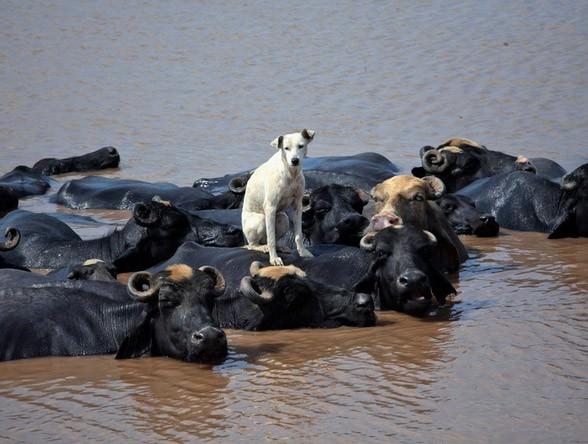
274	186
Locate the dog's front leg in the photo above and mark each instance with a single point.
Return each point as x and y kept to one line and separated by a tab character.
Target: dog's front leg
270	227
302	251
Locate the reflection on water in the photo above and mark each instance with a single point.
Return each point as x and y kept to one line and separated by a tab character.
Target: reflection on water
188	90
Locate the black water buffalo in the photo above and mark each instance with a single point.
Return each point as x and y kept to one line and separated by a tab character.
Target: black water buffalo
24	181
332	214
169	315
571	218
152	235
261	298
412	200
464	217
459	162
106	157
361	171
518	200
90	270
404	254
8	200
122	194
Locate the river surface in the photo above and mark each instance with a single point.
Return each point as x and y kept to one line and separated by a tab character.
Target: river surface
188	89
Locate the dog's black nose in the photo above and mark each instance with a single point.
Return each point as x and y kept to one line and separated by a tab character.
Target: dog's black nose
295	161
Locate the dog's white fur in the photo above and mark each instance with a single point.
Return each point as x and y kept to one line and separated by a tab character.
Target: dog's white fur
274	186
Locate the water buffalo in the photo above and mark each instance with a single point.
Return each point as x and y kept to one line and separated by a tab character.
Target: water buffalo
518	200
464	217
106	157
571	218
361	171
332	215
407	252
261	298
152	235
123	194
411	200
169	315
8	200
24	181
90	270
459	162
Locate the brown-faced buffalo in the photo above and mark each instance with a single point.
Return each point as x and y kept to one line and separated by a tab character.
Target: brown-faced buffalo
8	200
361	171
459	162
122	194
106	157
169	314
411	200
151	236
464	217
262	298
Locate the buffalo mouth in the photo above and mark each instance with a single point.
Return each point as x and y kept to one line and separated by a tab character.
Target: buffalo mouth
210	357
419	302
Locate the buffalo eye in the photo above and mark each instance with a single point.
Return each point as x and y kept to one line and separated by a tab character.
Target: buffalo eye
418	198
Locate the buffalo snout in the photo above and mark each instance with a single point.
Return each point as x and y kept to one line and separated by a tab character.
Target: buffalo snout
208	344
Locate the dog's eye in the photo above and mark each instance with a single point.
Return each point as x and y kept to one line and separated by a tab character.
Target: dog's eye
287	148
300	146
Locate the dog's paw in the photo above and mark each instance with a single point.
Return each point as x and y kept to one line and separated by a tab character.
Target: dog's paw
303	252
277	261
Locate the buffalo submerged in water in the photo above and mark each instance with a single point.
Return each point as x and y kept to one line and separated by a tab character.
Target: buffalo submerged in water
169	314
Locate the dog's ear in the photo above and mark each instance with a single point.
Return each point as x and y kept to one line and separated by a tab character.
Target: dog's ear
307	134
278	142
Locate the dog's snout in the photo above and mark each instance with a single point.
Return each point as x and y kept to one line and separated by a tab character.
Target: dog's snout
295	161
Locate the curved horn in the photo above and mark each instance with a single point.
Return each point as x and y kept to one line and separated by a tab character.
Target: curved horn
246	288
434	162
136	285
431	236
219	280
12	236
255	267
238	185
144	215
368	241
435	187
306	202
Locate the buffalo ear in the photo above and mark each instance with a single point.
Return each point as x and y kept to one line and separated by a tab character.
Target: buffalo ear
139	341
440	285
419	172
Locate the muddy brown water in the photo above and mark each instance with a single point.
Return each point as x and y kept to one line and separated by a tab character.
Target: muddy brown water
193	89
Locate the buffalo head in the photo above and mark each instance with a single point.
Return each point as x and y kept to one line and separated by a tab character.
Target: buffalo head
403	274
177	320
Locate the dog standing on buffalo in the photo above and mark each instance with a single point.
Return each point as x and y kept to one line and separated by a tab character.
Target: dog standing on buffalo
276	185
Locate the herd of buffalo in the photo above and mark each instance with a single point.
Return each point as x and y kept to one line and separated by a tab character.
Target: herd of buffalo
381	241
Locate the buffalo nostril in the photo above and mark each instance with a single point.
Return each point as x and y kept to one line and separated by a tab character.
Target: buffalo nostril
486	218
402	280
197	337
